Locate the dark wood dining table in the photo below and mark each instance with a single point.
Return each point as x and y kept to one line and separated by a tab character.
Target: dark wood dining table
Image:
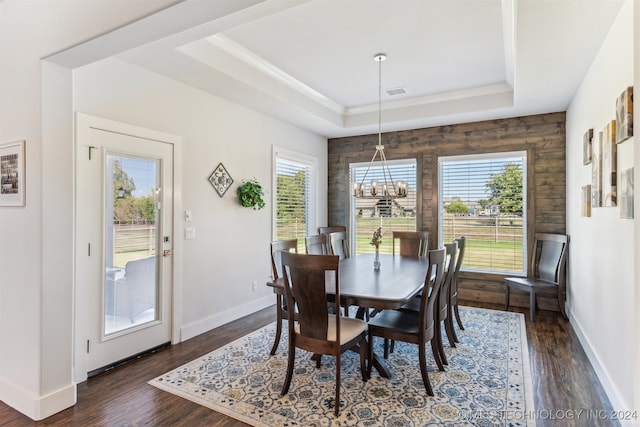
396	282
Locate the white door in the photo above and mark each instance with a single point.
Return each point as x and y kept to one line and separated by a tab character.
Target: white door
124	239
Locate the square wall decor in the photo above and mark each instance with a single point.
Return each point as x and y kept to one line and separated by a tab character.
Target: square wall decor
624	115
220	179
596	172
626	193
609	164
587	150
586	200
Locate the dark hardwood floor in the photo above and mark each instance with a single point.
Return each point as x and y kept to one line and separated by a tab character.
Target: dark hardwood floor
563	380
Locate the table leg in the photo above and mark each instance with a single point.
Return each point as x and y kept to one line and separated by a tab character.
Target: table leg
378	362
380	366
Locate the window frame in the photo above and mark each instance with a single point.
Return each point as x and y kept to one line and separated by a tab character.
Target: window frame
304	160
387	239
524	155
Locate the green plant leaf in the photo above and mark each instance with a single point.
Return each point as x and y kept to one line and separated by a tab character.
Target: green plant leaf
250	194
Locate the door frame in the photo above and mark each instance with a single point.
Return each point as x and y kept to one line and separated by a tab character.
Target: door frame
83	124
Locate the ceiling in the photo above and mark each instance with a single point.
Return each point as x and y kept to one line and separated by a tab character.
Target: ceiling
311	63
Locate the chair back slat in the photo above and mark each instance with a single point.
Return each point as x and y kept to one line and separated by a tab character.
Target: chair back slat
433	279
317	245
451	250
331	229
453	289
339	245
411	243
306	287
549	261
549	257
277	247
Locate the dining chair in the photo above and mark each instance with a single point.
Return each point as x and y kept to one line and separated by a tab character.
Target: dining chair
442	304
318	331
453	292
547	275
410	242
338	244
278	247
443	300
416	328
331	229
317	245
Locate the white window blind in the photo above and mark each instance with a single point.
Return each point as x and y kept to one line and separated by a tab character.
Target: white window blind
369	214
482	197
293	207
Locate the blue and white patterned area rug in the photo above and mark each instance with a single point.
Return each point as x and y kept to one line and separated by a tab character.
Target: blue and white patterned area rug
487	381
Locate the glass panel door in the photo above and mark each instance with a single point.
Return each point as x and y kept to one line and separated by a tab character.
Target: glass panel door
132	242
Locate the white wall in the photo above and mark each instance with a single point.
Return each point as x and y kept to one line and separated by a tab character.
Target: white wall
636	119
35	290
36	241
231	248
602	293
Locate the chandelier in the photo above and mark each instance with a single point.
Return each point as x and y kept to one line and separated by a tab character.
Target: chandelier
387	188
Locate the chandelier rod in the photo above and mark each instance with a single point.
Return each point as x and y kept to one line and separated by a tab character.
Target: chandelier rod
380	57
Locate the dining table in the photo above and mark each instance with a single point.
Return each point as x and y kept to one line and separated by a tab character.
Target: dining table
398	279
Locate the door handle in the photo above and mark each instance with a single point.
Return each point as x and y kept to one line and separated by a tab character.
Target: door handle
166	252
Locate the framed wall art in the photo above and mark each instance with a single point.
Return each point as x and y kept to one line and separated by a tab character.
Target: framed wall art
587	149
626	193
596	172
624	115
609	164
12	167
586	200
220	179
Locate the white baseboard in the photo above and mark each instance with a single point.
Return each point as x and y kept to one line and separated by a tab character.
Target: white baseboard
219	319
37	407
617	403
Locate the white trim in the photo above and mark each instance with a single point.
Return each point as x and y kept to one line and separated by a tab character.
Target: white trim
389	162
305	159
250	58
221	318
34	406
482	156
608	384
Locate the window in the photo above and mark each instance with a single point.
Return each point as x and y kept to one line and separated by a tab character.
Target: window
369	214
294	183
483	197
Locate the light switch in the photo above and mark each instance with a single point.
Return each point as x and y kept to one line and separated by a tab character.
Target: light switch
187	215
189	233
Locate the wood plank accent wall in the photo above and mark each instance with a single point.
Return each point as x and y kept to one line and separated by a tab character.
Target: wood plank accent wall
541	136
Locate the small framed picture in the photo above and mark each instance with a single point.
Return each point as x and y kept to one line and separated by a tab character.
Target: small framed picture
596	172
587	147
624	115
609	165
12	182
626	193
586	200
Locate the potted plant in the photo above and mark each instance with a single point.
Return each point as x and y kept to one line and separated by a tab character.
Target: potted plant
376	239
250	194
